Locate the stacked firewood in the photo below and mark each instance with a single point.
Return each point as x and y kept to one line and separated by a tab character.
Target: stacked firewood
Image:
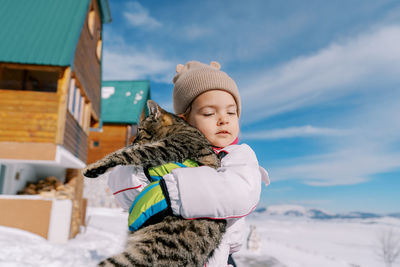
50	187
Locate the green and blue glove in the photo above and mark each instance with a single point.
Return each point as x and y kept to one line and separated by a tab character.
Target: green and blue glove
153	204
150	206
156	173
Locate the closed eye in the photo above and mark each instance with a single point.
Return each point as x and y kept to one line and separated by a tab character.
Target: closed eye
144	131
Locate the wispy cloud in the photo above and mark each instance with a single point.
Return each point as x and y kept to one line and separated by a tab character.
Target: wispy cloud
336	71
369	65
290	132
369	148
342	167
138	16
273	189
128	63
194	32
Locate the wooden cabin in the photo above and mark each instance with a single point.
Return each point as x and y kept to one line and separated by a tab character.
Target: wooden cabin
50	81
123	106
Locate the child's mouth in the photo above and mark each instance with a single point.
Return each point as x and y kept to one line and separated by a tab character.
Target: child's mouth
223	132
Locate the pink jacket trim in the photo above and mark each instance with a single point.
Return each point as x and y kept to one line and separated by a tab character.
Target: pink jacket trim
129	188
223	218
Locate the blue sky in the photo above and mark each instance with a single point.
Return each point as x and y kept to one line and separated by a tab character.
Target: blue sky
319	81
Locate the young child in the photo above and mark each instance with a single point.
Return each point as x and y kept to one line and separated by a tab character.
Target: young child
209	100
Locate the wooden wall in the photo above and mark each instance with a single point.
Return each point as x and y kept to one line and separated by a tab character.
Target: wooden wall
28	116
113	137
86	65
42	117
75	139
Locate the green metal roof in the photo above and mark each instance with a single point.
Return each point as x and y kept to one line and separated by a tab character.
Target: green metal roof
105	11
123	101
44	32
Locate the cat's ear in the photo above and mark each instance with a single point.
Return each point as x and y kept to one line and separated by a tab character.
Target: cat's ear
154	109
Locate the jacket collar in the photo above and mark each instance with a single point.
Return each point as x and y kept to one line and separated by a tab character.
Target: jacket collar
218	150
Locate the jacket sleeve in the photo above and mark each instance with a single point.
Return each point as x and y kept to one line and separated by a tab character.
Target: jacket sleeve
232	191
126	182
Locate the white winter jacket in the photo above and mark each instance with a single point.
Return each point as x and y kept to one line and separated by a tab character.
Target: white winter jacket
231	192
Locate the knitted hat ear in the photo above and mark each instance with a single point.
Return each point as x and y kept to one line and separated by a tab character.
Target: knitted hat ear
179	68
215	64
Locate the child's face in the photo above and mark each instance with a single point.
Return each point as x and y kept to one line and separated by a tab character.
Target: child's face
214	113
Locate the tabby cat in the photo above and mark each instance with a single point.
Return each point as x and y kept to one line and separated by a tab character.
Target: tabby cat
163	137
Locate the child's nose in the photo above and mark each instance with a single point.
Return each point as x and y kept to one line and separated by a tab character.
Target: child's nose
223	120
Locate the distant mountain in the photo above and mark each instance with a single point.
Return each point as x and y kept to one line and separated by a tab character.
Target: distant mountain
300	211
394	215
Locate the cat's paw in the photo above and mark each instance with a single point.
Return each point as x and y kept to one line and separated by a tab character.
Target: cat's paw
94	170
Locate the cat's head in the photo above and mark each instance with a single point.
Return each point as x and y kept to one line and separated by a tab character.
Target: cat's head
157	125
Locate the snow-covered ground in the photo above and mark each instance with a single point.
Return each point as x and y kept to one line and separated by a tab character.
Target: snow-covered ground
104	236
285	241
301	241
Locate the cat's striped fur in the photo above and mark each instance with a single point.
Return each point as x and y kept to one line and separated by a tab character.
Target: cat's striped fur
163	137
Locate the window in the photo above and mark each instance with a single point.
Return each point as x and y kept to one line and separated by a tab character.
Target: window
30	80
71	96
76	103
94	143
98	49
91	21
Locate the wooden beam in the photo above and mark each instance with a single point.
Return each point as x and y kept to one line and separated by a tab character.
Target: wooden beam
94	116
27	151
62	93
18	95
86	119
30	67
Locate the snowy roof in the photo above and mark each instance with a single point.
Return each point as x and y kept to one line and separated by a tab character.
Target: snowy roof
123	101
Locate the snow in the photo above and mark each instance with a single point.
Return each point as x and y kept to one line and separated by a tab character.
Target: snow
104	236
284	241
295	241
107	91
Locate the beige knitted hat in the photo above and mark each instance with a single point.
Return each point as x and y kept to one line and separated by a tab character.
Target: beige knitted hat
195	78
